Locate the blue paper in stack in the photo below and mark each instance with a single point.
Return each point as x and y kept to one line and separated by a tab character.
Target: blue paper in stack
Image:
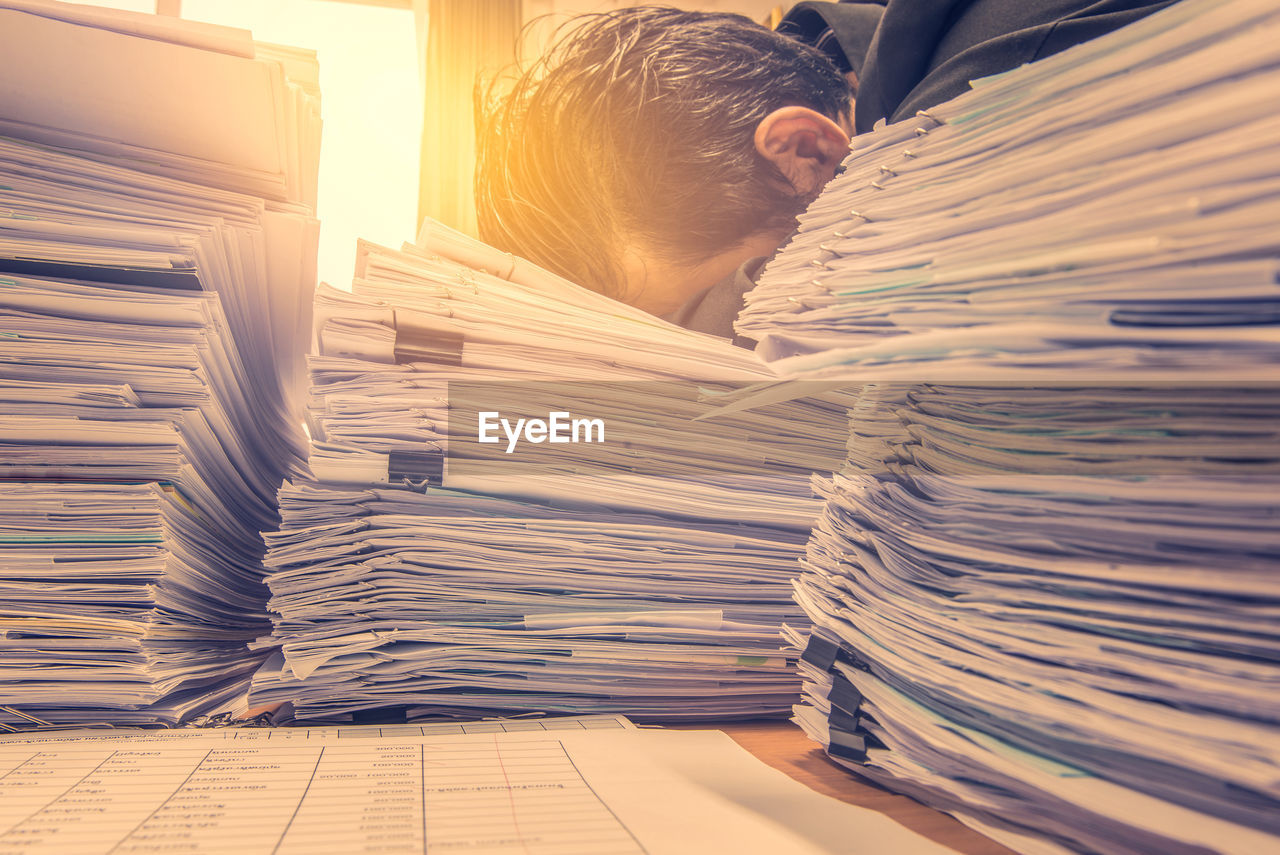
150	328
1045	586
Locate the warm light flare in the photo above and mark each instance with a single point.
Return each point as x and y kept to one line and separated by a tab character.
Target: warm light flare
372	109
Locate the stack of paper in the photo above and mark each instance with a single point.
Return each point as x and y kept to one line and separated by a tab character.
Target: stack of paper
1054	611
426	571
1045	586
152	321
174	97
1109	210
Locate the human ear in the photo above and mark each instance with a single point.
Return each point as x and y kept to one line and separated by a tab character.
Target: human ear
805	145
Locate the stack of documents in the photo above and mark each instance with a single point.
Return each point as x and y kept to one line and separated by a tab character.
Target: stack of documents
1045	585
172	97
155	297
1108	210
1053	611
423	571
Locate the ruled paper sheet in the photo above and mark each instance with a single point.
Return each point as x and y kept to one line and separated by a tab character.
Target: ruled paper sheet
589	791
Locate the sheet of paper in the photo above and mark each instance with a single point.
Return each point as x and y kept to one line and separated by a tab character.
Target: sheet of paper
390	790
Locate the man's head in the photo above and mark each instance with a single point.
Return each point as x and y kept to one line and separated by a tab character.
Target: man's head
652	150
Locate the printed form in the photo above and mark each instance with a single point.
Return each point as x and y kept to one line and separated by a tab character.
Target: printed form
411	790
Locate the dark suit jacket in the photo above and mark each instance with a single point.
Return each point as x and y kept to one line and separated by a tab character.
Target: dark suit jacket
926	51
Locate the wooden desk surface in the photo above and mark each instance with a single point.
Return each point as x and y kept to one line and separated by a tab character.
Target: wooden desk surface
784	746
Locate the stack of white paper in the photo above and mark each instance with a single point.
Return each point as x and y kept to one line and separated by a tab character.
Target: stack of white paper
177	98
152	320
1109	210
1045	586
1054	610
430	573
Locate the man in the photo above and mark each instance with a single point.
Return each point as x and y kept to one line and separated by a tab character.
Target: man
653	150
660	156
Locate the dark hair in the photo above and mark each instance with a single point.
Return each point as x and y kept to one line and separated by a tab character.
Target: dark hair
637	128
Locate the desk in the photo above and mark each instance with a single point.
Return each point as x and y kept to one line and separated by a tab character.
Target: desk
784	746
